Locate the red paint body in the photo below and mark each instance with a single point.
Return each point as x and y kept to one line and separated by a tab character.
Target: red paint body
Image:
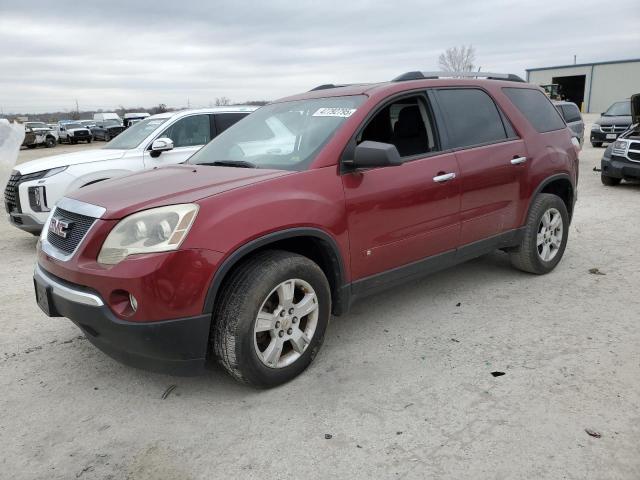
380	218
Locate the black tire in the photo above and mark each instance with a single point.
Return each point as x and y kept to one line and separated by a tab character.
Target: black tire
72	142
50	142
107	137
596	144
526	257
609	181
241	297
88	140
33	145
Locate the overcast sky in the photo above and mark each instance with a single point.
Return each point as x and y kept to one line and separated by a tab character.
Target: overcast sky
141	53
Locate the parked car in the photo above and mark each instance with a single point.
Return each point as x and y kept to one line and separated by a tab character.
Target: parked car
132	118
244	252
572	116
621	159
168	138
101	117
73	132
39	133
106	130
611	124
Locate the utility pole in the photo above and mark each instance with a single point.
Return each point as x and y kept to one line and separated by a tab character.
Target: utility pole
574	59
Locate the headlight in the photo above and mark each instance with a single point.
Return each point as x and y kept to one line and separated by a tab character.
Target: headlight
156	230
54	171
595	126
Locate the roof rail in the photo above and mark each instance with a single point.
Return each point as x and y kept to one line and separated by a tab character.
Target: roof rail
329	85
433	75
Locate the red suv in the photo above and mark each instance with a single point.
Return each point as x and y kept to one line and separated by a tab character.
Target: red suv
309	203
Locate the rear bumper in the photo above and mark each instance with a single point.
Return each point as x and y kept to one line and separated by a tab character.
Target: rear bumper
177	346
616	167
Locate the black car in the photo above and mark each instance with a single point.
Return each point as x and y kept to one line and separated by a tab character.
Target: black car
621	160
106	130
611	124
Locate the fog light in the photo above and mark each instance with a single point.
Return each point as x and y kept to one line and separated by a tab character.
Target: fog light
38	199
133	302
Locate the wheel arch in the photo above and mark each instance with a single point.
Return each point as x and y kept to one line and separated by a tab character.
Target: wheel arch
559	185
313	243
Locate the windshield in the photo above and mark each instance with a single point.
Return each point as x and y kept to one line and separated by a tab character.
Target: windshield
36	125
73	125
111	123
284	136
619	108
135	135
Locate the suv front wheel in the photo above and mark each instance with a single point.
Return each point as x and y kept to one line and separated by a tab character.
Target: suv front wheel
545	236
270	319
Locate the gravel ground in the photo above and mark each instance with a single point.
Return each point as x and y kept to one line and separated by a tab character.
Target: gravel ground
403	387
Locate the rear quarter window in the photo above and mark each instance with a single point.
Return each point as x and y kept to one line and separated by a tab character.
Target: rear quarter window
570	113
536	107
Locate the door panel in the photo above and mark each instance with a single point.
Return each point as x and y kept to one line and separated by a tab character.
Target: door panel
491	189
397	215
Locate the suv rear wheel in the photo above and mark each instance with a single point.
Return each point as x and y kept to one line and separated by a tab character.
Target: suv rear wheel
271	318
545	236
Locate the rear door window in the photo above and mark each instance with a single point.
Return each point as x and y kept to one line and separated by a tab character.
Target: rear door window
472	117
536	107
225	120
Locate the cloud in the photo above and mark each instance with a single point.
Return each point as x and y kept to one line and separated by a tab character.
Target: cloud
141	53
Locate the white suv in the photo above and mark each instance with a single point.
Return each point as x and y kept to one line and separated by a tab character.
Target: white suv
163	139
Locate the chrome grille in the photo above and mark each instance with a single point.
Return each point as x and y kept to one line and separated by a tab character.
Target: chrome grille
613	128
78	226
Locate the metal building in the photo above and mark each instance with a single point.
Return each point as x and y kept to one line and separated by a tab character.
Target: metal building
592	86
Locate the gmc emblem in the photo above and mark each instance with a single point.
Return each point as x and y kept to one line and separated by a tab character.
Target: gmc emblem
59	227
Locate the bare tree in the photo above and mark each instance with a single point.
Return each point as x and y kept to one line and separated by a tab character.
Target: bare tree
161	108
222	101
458	59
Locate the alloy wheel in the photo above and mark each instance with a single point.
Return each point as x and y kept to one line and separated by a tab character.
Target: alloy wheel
286	323
550	232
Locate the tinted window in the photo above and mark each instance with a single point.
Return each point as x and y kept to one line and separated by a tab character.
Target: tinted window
189	131
405	123
472	117
536	107
570	113
225	120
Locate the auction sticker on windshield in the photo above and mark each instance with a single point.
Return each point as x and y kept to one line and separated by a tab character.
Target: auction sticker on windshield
334	112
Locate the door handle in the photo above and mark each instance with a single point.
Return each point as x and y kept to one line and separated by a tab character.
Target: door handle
518	160
445	177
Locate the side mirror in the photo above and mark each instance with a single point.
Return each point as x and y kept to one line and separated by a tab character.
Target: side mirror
376	154
160	145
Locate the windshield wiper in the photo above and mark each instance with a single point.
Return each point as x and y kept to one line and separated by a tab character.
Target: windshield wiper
230	163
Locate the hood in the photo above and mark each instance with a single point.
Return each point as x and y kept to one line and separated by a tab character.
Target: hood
635	108
168	185
617	120
68	159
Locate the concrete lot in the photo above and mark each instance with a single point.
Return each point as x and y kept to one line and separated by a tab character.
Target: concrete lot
403	384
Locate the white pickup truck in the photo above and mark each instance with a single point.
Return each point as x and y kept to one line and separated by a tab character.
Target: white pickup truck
163	139
39	133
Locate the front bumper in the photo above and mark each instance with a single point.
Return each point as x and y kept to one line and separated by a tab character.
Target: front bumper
601	137
617	167
177	346
25	222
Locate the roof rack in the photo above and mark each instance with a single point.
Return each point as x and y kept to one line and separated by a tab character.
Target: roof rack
329	85
433	75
